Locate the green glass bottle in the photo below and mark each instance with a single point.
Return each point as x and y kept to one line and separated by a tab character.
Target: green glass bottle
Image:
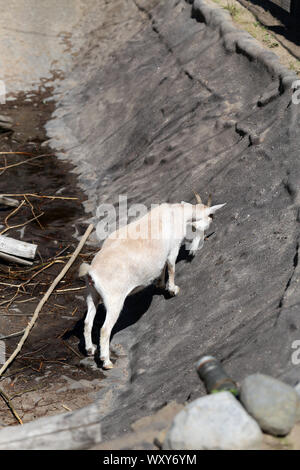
214	377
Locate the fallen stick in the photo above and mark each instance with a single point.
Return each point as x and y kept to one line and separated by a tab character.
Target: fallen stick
10	405
13	335
40	196
8	201
12	165
14	259
79	429
45	298
17	248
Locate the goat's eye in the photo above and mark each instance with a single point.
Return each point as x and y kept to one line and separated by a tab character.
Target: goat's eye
211	216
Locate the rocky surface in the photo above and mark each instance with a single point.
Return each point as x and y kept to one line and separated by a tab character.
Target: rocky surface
173	105
214	422
272	403
147	433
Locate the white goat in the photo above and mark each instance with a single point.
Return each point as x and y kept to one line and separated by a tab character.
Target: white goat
134	256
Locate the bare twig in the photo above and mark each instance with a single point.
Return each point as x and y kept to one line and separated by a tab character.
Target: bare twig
71	349
61	291
13	212
66	407
13	335
17	153
39	196
33	213
10	405
12	165
21	225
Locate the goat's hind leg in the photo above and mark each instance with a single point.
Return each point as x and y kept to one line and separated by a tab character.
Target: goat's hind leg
113	310
92	301
161	283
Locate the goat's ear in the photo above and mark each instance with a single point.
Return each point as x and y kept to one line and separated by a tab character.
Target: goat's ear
213	209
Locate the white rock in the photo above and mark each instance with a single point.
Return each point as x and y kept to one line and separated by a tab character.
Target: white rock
216	421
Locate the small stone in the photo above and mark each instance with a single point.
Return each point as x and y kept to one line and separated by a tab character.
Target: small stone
216	421
272	403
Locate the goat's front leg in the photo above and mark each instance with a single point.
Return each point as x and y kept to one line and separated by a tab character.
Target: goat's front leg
197	242
171	287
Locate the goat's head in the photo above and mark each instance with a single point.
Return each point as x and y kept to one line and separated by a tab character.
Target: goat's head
203	213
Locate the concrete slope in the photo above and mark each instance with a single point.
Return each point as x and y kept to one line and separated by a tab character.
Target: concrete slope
175	104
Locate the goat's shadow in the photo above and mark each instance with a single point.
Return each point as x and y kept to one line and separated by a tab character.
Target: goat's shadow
134	308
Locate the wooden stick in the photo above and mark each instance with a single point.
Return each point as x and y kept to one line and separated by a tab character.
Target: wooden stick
45	298
13	335
18	248
13	212
40	196
26	161
14	259
7	201
10	405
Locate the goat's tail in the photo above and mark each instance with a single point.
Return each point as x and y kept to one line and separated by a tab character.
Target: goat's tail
84	269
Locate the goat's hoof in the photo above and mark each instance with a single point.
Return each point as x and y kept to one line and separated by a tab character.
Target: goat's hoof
91	351
108	365
174	291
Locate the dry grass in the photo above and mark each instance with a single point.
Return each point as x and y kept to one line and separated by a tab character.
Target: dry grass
245	20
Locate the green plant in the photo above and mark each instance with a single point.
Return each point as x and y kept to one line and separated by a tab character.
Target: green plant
232	8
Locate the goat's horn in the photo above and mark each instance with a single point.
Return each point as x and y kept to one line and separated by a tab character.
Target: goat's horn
198	198
209	201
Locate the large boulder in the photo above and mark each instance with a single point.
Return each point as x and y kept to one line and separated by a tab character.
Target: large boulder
271	402
216	421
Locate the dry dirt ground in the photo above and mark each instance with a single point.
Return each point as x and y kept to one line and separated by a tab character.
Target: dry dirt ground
47	377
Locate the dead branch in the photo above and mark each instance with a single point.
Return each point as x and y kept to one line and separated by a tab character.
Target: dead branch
40	196
14	259
7	201
13	213
10	405
33	212
21	225
13	335
12	165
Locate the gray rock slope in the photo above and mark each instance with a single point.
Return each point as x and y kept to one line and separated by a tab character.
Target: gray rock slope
185	101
